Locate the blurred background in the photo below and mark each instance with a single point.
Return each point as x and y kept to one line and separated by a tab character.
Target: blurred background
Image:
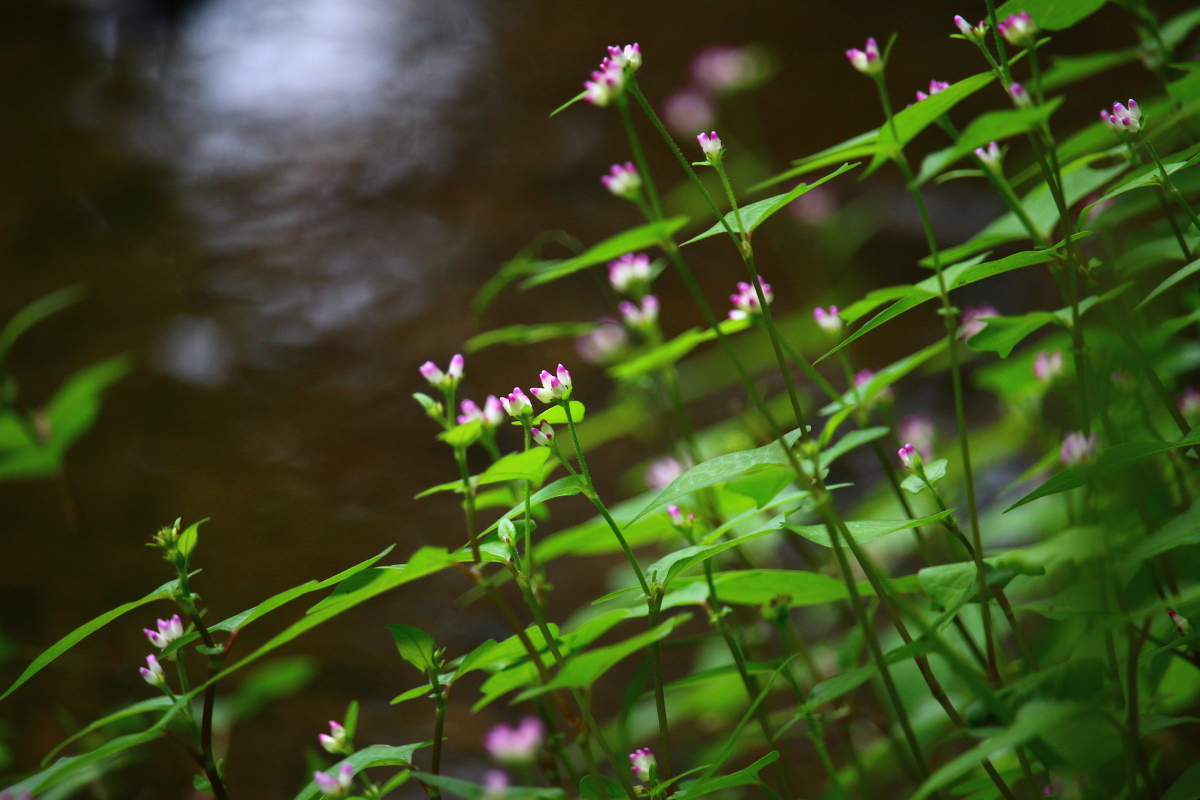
279	208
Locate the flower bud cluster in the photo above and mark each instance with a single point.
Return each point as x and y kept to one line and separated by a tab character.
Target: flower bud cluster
973	33
337	740
991	156
1078	448
643	763
631	274
554	387
934	88
828	320
337	784
1019	30
623	180
710	145
491	415
168	631
447	380
745	300
1125	119
608	82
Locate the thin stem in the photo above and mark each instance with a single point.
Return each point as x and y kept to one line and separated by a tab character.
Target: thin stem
1167	180
660	701
439	720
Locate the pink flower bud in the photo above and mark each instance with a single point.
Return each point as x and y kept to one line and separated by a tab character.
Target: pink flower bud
990	156
1019	30
711	145
493	411
1048	365
152	673
676	515
335	740
975	34
828	320
974	320
867	60
1181	623
909	457
335	785
630	274
517	404
642	761
662	472
1020	97
934	88
745	300
544	435
919	431
515	746
168	631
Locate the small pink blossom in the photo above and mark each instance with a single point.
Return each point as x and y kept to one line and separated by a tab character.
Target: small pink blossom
554	387
642	316
630	274
688	112
975	34
335	785
1181	623
1127	119
721	68
1048	365
1018	29
920	431
168	631
991	156
152	673
662	472
1020	97
909	457
603	344
517	404
543	436
335	740
443	380
622	180
495	783
710	144
1189	402
515	746
642	761
828	320
934	88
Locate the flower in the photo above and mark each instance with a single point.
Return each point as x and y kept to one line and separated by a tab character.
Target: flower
975	34
628	56
1020	97
919	431
814	206
828	320
1048	365
678	519
517	404
443	380
662	472
710	143
630	274
1181	623
335	740
623	180
720	68
1188	403
909	457
495	782
544	435
168	631
990	156
606	83
688	111
973	320
491	415
603	344
640	317
554	387
1078	449
745	301
335	786
934	88
515	746
1126	119
642	761
152	673
867	60
1019	29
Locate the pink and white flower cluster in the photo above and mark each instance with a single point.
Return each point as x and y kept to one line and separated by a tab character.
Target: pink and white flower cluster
336	740
976	33
554	387
168	631
1126	119
608	81
991	156
491	415
745	300
1078	448
443	380
337	784
1019	29
640	317
828	320
630	274
623	180
642	761
934	88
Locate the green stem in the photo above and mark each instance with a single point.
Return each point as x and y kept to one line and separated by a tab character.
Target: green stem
1167	180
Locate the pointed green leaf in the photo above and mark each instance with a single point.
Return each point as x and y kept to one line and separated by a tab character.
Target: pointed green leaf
556	415
920	115
637	238
416	646
756	213
525	466
865	531
1052	15
377	755
527	334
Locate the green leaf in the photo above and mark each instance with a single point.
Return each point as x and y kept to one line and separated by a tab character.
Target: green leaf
271	681
76	404
1186	786
608	789
745	776
190	537
142	707
952	585
1052	15
872	301
462	435
526	466
760	586
884	378
563	487
1065	70
527	334
1179	532
920	115
855	147
843	683
1033	719
756	213
955	277
164	592
637	238
416	647
865	531
424	690
586	668
1108	462
37	311
1176	29
557	415
377	755
1175	277
995	126
1002	334
672	351
475	659
933	473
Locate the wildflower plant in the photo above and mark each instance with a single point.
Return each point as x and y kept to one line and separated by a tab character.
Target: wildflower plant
1030	634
